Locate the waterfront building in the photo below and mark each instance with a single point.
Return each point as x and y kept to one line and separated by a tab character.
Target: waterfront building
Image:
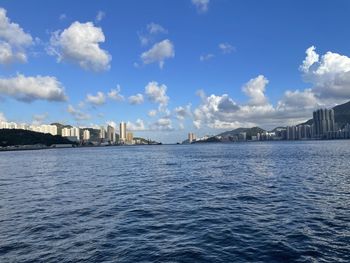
102	133
191	137
291	133
122	131
129	137
111	134
86	135
65	132
323	122
75	132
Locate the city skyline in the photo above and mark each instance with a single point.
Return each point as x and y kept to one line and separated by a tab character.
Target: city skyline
223	65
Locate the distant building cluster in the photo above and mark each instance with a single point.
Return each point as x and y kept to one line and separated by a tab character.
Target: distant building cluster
103	136
51	129
323	127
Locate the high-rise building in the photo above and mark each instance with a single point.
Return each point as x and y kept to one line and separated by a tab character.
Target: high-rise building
65	132
122	131
129	137
86	135
110	134
75	132
102	133
323	122
191	137
291	133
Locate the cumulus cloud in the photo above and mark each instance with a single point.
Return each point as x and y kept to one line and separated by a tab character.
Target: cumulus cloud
226	48
222	112
162	124
13	40
201	5
136	126
157	93
136	99
114	94
29	89
182	112
78	115
97	99
206	57
9	56
329	75
293	100
159	53
255	89
80	44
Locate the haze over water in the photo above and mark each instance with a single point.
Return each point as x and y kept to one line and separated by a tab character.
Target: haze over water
249	202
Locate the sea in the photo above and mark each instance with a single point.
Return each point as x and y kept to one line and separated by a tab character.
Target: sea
238	202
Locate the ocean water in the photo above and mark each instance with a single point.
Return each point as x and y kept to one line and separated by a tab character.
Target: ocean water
243	202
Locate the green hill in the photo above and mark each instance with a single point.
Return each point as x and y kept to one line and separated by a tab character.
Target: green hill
250	132
11	137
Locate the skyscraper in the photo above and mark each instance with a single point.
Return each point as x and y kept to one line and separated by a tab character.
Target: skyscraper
323	122
86	135
122	131
111	134
191	137
129	137
102	133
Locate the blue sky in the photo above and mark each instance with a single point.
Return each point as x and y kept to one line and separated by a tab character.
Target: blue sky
209	65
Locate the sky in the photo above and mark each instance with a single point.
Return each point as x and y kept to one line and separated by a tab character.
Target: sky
172	67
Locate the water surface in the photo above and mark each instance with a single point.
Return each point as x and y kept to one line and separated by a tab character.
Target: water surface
243	202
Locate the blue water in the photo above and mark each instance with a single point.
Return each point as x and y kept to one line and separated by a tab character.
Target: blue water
248	202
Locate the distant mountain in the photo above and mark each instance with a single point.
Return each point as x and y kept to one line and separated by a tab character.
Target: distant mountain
250	132
11	137
341	115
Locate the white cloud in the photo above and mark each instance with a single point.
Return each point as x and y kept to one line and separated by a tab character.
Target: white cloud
152	113
100	15
136	99
96	100
8	56
154	28
114	94
157	93
77	114
226	48
2	117
137	126
182	112
29	89
201	5
255	89
158	53
79	43
13	40
206	57
162	124
328	74
293	100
